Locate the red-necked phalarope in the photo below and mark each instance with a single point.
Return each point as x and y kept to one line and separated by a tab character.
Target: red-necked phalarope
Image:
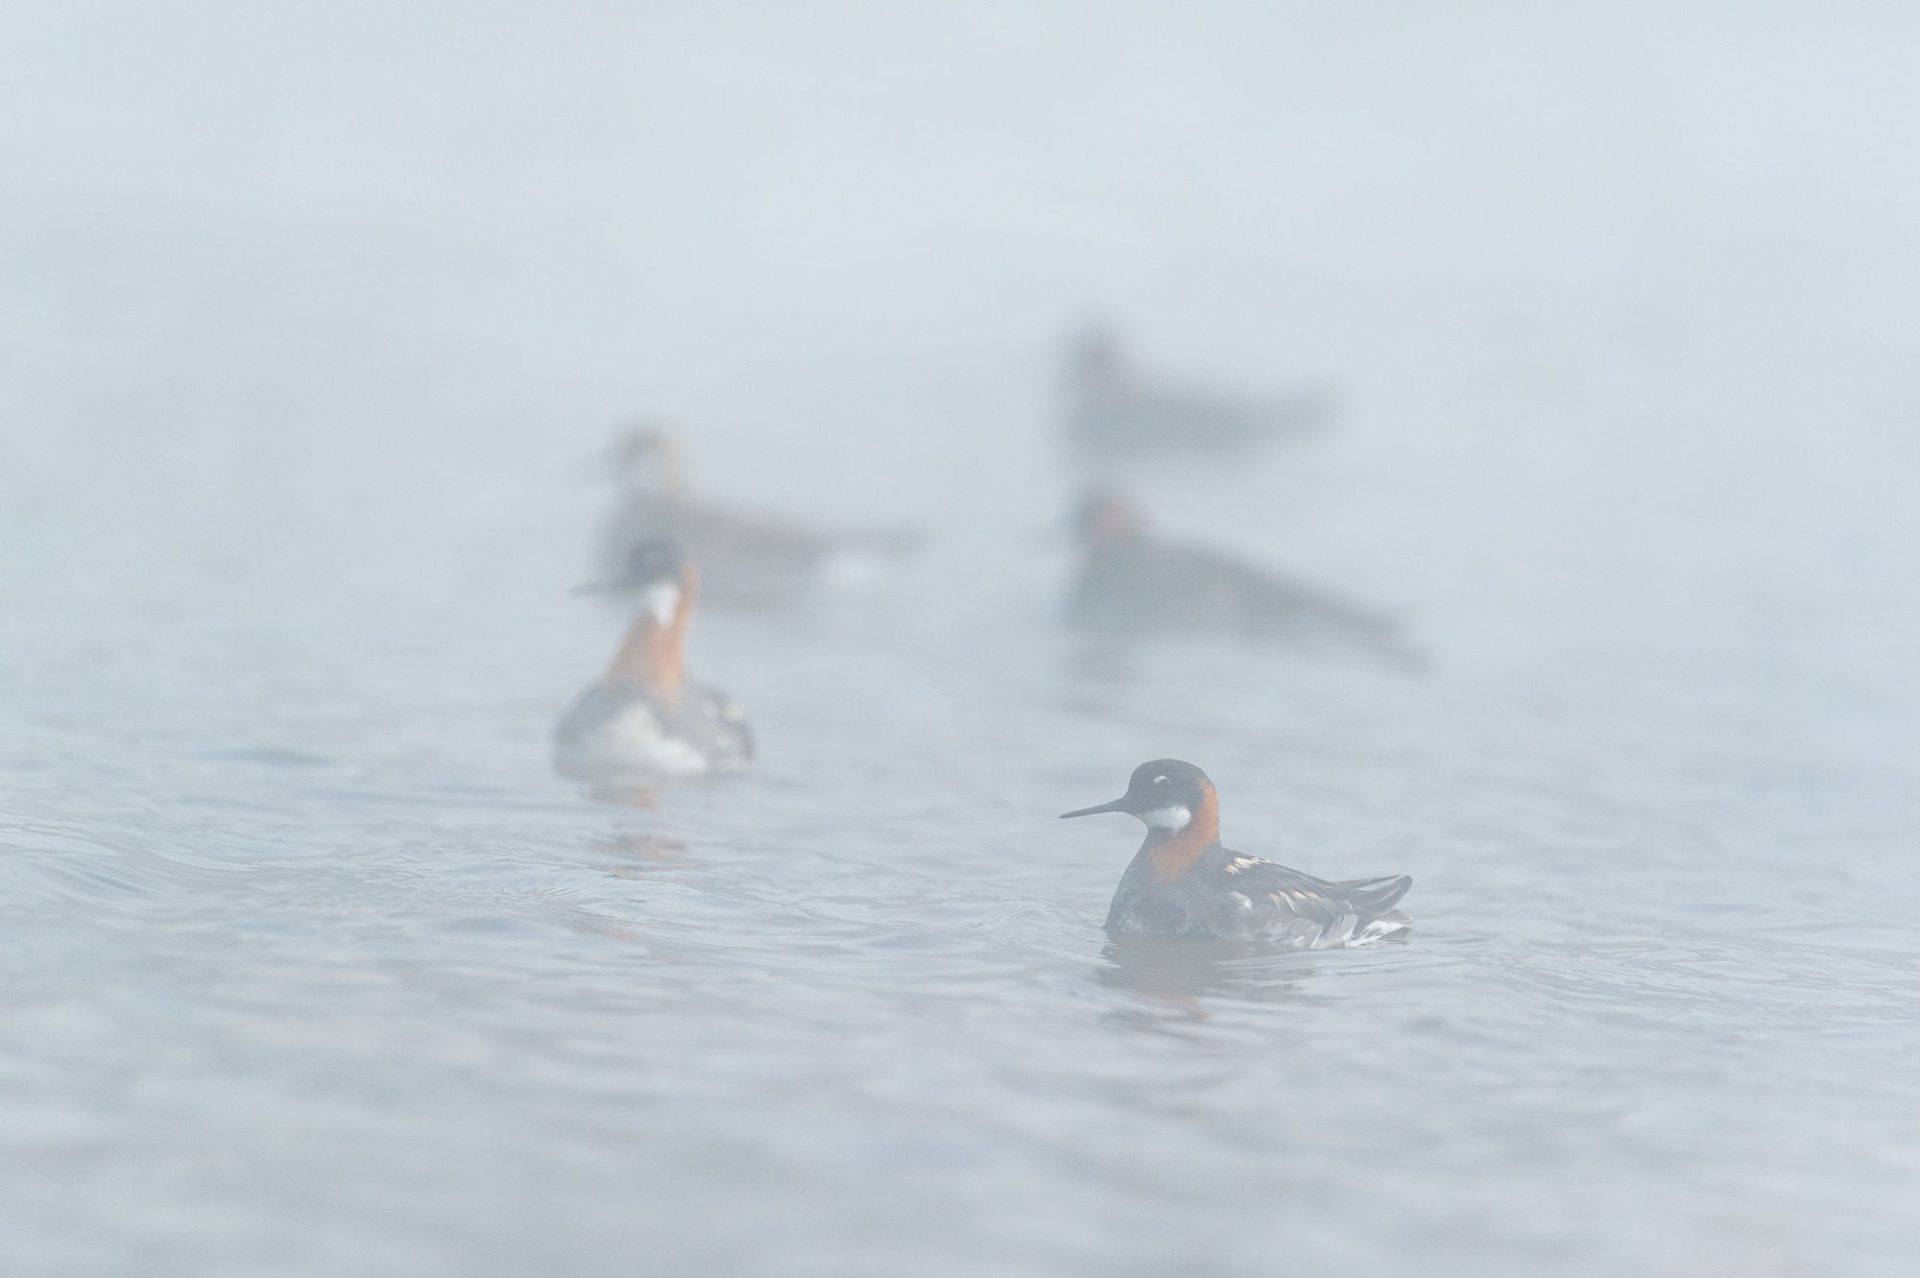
644	719
1131	582
1183	883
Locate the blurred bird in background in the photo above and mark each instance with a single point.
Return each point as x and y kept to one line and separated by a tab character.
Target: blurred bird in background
1132	582
748	559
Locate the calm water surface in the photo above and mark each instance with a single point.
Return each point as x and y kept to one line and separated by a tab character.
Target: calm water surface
311	965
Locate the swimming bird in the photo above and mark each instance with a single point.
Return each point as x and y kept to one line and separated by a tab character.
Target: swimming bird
1182	882
1112	407
1131	582
748	559
644	719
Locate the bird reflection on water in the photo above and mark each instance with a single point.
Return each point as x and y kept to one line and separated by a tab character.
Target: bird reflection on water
635	853
1177	974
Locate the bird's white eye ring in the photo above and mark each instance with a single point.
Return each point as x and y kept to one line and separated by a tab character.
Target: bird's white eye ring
1160	781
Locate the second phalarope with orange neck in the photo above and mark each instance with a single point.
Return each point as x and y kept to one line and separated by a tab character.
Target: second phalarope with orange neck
644	719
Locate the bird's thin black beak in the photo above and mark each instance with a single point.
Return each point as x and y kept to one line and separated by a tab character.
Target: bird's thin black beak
1118	805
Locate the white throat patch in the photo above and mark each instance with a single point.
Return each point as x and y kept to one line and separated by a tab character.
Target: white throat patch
1171	818
661	601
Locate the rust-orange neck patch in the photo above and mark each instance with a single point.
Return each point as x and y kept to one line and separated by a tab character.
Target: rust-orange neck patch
654	653
1175	854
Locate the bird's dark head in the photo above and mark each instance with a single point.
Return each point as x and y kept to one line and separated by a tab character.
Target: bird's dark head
657	573
661	575
1166	794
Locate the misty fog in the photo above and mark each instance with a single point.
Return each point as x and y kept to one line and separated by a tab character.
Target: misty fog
1482	439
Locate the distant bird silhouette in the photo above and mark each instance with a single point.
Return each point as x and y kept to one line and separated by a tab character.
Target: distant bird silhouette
1114	408
747	559
1131	582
